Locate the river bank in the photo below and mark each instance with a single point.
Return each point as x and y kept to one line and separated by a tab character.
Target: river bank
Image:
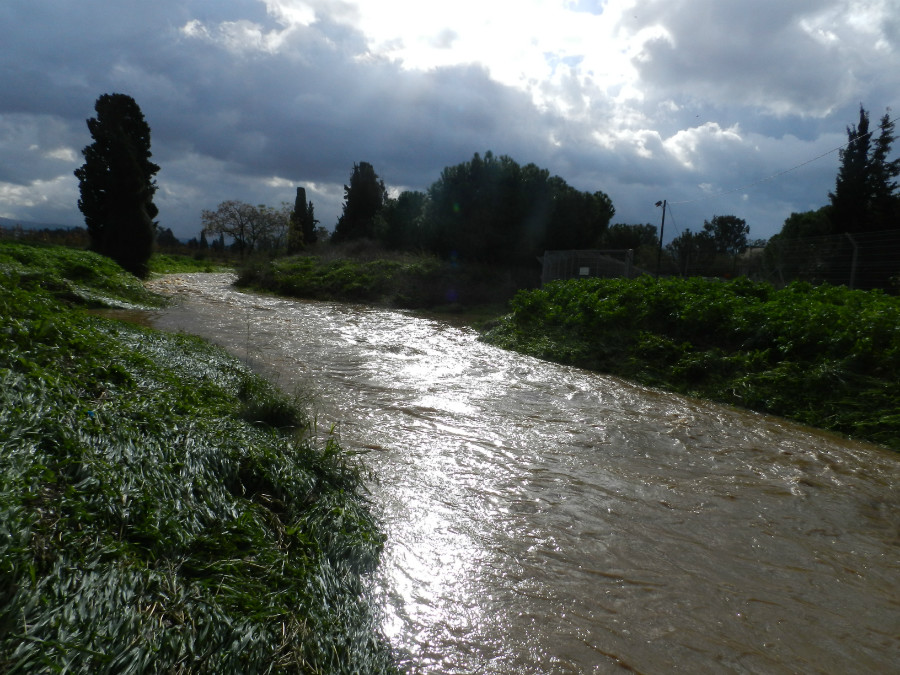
545	518
161	507
360	274
824	356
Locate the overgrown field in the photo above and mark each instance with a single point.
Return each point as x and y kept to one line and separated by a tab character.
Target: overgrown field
403	281
826	356
161	508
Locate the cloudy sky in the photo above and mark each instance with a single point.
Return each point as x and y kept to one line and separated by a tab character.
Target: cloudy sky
700	102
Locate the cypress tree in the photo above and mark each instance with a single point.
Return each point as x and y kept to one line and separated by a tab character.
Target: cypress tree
364	200
885	203
295	225
309	222
864	197
116	184
302	226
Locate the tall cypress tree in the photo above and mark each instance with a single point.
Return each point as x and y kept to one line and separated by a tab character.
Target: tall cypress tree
850	191
310	235
364	200
302	226
116	183
864	197
885	202
295	239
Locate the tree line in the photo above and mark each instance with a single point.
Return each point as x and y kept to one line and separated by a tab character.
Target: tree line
865	199
488	209
713	251
263	228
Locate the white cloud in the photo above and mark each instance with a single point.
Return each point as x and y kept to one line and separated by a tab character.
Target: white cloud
54	193
292	12
195	29
240	37
787	58
62	154
280	183
693	147
520	42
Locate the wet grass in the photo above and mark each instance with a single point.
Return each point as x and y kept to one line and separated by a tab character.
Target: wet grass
73	276
162	509
825	356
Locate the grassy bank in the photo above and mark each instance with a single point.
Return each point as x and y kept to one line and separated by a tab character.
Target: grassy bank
826	356
161	508
389	280
168	263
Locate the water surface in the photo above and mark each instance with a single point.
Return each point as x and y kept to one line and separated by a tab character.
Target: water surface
544	519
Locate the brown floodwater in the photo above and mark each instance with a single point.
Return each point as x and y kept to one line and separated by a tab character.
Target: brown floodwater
545	519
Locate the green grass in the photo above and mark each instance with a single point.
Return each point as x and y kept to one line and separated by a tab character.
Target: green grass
162	509
402	281
73	276
826	356
165	263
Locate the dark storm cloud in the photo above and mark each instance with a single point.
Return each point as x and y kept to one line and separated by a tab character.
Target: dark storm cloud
246	99
800	57
243	105
318	114
310	111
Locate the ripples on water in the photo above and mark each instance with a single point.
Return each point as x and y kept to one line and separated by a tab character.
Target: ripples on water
543	519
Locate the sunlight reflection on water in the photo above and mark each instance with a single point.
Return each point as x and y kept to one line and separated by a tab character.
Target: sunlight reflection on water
546	519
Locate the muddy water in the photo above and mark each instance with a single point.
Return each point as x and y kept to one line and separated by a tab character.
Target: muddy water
543	519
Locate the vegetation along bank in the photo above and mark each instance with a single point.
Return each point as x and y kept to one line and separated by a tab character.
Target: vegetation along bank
366	273
826	356
161	508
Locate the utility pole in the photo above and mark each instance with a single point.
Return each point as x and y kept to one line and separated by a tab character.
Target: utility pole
661	228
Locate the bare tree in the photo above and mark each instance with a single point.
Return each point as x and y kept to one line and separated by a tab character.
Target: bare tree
250	226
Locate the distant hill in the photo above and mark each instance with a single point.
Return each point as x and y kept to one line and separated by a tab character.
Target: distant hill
8	223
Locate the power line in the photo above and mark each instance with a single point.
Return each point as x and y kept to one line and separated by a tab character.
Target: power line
781	173
672	217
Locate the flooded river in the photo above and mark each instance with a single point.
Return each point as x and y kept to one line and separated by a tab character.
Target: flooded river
544	519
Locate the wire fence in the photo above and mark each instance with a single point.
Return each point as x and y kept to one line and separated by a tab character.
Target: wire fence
864	260
589	263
